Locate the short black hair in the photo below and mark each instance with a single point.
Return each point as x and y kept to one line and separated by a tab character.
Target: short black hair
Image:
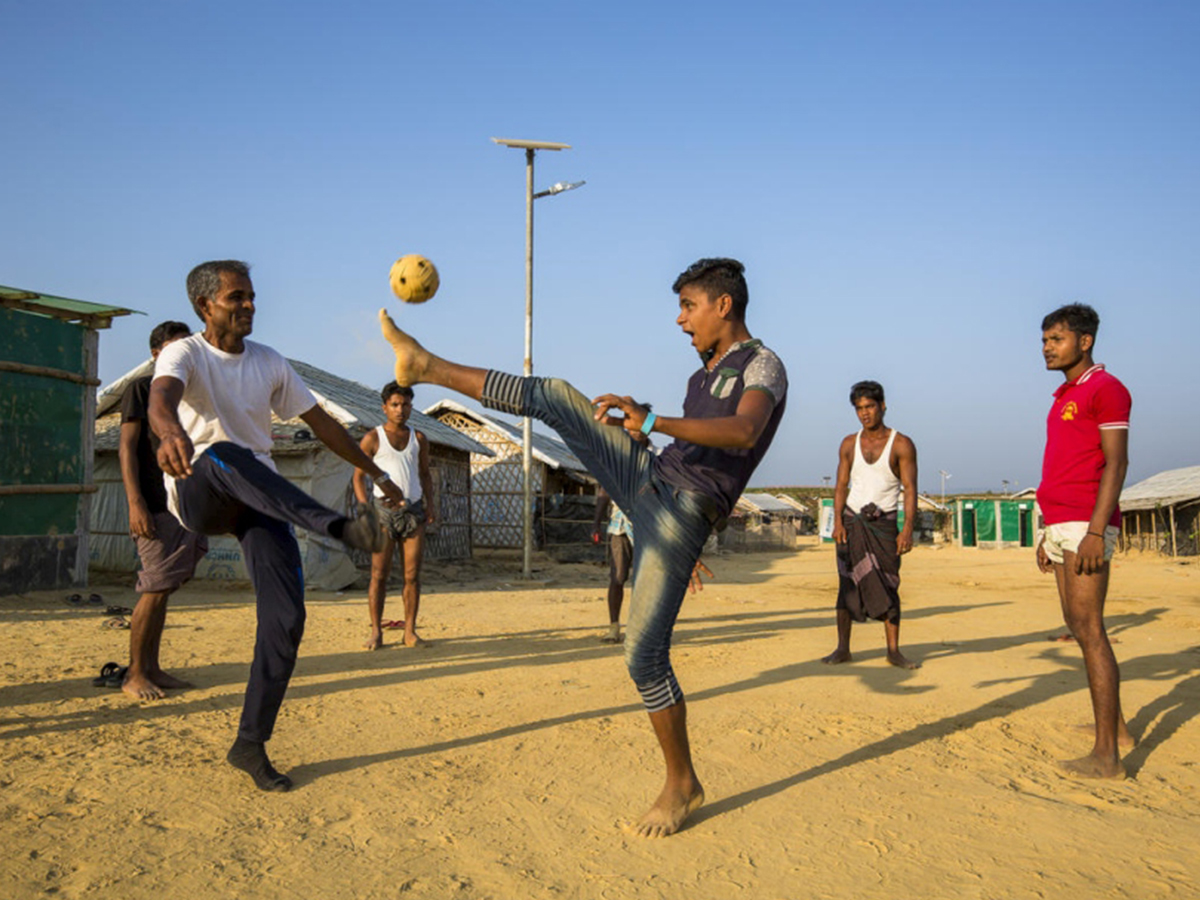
872	390
205	279
1078	317
718	275
167	331
393	388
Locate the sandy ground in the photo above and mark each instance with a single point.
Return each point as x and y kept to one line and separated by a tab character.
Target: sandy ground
502	761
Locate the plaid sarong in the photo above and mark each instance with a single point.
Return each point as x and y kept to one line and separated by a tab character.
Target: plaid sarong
401	523
869	566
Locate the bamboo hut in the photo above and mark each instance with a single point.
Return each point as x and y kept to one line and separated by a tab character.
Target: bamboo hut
1162	513
564	493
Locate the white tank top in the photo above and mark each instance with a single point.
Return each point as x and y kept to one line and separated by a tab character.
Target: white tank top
402	465
873	482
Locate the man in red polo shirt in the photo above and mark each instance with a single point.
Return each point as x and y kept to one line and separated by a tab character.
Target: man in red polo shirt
1087	443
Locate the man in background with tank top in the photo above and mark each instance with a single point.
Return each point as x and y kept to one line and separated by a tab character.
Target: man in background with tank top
403	453
873	466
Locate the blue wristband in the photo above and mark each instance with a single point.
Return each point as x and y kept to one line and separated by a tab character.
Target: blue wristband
648	424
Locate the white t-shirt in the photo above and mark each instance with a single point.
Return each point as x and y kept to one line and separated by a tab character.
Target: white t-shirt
230	396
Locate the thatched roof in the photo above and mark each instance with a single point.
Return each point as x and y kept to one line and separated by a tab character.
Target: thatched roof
354	405
1169	488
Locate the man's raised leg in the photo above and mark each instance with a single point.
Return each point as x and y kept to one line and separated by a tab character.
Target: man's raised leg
1082	598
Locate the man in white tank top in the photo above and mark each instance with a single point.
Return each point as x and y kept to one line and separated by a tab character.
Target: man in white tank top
873	465
403	453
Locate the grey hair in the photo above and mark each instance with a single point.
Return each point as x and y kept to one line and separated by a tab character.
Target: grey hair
205	279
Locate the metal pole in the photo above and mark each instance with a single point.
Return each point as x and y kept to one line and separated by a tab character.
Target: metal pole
527	433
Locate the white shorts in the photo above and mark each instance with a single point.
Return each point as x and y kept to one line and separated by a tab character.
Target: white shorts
1065	537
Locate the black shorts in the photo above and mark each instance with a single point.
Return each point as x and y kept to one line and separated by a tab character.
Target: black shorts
621	552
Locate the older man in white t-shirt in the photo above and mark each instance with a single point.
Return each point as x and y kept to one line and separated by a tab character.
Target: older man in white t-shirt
210	405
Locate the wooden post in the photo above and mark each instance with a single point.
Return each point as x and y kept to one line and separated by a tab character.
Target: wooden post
1172	509
1154	529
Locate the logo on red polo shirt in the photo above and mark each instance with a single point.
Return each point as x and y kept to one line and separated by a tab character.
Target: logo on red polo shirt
1069	411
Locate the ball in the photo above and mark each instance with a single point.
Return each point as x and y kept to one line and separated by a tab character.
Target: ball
414	278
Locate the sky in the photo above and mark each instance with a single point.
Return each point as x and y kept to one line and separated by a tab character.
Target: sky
911	187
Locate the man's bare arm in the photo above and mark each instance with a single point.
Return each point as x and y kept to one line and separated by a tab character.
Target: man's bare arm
1114	443
175	447
841	489
369	446
141	523
739	431
330	433
426	477
906	458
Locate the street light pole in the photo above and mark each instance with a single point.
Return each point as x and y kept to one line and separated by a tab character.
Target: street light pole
530	148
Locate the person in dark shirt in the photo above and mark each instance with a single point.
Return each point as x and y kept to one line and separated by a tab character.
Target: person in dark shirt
169	552
733	407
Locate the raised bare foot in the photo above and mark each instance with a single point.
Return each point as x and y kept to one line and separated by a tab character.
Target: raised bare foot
900	661
1093	767
411	358
837	656
1125	740
374	642
140	687
669	812
169	682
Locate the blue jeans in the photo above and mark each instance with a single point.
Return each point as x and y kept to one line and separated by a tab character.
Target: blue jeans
670	525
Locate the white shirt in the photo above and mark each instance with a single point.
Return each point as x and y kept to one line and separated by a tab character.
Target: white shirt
230	396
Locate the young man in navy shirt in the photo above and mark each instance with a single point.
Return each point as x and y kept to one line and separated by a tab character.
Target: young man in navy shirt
733	407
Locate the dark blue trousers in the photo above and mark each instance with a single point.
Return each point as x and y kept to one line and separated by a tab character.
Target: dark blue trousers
232	492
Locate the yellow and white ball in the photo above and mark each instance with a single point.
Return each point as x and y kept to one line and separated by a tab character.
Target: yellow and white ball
414	278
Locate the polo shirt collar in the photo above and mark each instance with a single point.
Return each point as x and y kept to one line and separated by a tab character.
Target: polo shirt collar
1062	389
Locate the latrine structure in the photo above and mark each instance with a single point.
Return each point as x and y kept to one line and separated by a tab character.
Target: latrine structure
311	466
563	491
49	349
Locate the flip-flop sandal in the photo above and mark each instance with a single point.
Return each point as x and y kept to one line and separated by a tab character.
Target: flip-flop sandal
73	599
112	675
118	611
117	623
392	623
95	598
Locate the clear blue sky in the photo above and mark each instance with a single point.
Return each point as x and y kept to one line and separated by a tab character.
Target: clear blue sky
911	186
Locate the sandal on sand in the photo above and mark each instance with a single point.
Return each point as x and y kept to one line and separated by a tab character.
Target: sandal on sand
118	611
73	599
392	623
95	598
112	675
117	623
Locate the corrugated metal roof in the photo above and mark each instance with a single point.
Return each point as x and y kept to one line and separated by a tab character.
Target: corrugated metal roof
766	503
60	307
548	450
354	405
1164	489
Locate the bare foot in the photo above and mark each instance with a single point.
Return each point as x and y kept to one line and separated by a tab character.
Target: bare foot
169	682
140	687
1092	767
1125	740
837	656
412	639
411	358
613	636
669	812
901	661
374	642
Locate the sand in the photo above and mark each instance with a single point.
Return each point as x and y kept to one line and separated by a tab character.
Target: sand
504	760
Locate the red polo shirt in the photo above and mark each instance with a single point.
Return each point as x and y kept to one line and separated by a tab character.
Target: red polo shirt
1074	462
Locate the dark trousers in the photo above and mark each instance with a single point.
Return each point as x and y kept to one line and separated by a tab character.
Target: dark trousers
232	492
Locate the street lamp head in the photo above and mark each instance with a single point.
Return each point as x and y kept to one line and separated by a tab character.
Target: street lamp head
561	186
530	145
